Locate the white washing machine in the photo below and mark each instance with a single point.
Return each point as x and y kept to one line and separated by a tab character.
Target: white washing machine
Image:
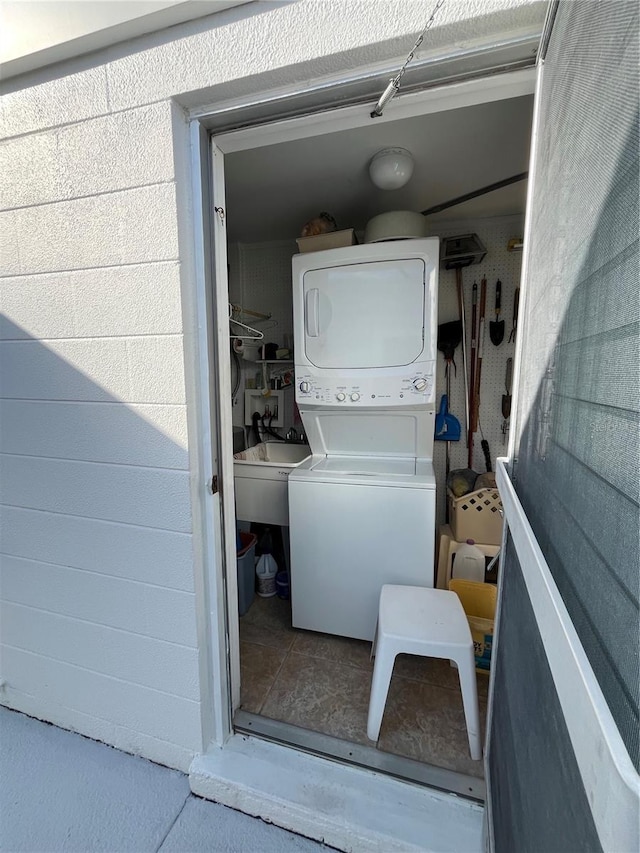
362	507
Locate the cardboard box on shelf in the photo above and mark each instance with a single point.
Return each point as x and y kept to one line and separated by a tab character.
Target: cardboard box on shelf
331	240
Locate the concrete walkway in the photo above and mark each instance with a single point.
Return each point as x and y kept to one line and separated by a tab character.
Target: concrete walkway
62	792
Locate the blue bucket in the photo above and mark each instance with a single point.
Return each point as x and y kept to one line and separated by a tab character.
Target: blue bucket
282	585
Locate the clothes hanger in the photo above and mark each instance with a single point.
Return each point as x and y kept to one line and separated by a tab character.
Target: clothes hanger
254	334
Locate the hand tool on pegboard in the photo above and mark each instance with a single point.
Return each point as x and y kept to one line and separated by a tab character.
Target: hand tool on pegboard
506	400
496	327
447	425
457	253
514	321
477	372
472	374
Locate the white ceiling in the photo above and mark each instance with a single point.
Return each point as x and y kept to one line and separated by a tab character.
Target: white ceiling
271	192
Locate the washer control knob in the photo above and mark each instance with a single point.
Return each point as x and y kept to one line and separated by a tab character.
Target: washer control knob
355	397
305	387
340	397
419	384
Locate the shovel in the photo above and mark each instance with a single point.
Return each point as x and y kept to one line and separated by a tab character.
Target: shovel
447	426
449	336
496	327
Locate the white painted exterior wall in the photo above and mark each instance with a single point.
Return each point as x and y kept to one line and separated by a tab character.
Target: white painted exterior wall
101	629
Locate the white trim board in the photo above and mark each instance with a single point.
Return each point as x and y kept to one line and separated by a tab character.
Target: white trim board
206	509
346	807
446	97
481	57
610	781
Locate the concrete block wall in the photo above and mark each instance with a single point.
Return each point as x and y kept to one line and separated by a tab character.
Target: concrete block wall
99	619
97	586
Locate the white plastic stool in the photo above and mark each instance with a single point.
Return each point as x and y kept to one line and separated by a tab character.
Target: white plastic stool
428	622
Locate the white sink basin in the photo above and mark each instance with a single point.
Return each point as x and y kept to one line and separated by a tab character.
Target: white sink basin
260	476
274	452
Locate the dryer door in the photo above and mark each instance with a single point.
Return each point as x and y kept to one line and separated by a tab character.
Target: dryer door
365	315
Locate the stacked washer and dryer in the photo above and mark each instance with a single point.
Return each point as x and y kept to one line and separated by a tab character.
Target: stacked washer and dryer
362	507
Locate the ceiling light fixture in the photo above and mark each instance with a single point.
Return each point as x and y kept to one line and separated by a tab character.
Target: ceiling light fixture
391	168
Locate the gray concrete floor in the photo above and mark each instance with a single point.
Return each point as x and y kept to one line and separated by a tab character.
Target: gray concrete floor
62	792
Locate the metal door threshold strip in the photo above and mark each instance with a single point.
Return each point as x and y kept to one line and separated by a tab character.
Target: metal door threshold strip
346	752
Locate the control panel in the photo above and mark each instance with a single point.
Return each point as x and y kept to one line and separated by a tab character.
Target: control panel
415	388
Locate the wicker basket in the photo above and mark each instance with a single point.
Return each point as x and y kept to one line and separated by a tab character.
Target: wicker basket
476	516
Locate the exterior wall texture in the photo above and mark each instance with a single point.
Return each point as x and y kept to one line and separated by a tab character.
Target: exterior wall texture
99	619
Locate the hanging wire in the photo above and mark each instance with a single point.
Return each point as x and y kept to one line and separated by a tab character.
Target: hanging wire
394	84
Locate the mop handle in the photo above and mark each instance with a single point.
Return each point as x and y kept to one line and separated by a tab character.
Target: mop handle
464	346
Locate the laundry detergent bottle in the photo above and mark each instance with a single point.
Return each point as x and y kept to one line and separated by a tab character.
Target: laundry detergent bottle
469	563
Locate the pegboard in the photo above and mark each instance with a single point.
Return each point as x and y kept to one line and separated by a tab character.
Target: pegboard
501	264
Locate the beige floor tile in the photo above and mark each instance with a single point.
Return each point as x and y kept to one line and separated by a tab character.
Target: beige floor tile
434	671
321	695
259	665
341	649
268	623
426	723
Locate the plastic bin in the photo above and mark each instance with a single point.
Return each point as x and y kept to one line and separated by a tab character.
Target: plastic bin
479	603
476	516
246	571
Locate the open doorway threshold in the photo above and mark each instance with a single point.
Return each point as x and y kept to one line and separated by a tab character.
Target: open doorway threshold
356	754
310	691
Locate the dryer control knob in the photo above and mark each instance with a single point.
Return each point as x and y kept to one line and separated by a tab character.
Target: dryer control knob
341	397
305	387
355	397
419	384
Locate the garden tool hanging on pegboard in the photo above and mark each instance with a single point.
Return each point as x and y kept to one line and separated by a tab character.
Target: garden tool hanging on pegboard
457	253
496	327
477	351
506	400
447	425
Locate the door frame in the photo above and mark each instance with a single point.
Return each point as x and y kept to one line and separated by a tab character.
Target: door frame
235	769
452	96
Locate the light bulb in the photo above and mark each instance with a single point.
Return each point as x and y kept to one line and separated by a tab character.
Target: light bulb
391	168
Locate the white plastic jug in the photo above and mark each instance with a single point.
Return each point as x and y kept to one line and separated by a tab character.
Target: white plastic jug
266	571
469	563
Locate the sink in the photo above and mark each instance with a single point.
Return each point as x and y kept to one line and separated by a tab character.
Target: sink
260	478
274	452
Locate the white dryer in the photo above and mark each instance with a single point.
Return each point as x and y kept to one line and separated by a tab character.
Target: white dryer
362	508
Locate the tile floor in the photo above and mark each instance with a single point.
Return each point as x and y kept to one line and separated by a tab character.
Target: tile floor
321	682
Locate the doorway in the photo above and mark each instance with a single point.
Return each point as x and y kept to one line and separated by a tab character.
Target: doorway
311	690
